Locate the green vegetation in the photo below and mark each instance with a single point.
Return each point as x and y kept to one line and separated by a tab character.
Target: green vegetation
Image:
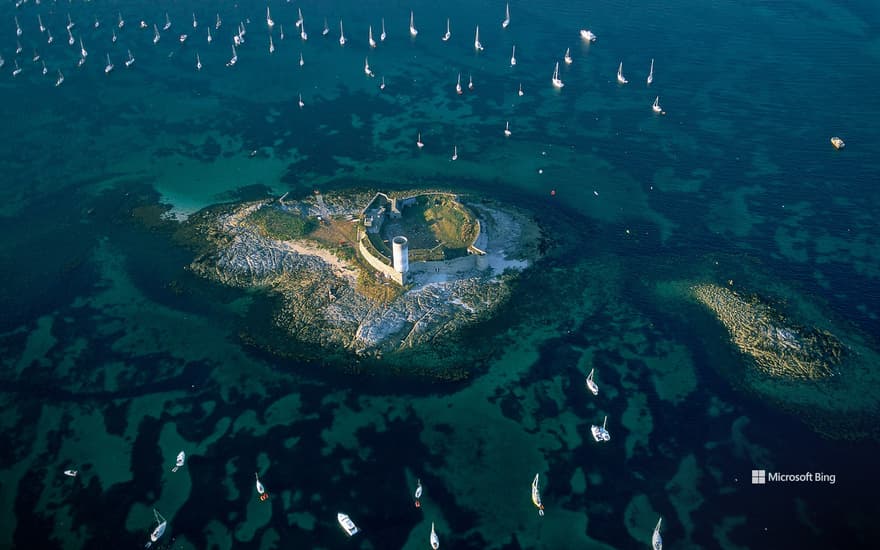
449	221
283	225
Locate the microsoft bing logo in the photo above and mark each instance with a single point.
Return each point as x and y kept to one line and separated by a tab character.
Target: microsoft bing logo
759	477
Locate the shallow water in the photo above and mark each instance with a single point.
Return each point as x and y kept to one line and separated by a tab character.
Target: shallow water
114	357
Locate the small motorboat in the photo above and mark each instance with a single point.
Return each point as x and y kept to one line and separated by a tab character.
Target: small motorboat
71	473
588	35
181	456
347	525
837	143
599	432
261	490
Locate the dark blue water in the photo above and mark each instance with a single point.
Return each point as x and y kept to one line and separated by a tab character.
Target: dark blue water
115	356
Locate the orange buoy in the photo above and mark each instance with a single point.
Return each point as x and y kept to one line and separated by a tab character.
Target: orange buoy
418	504
264	497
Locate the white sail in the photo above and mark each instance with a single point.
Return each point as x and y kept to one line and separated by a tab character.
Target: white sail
536	496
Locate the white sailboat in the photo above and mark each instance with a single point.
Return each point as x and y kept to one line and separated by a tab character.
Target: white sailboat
513	56
507	129
419	143
198	62
69	473
326	30
620	78
49	37
435	540
347	525
82	49
470	82
45	68
81	61
195	22
109	66
301	60
455	152
70	23
302	31
382	36
142	24
121	21
591	385
183	38
58	82
588	35
557	83
281	32
301	104
448	34
412	25
167	22
181	456
477	44
651	73
234	59
520	92
2	61
113	38
36	57
18	47
17	26
130	61
567	56
656	106
299	18
536	496
382	85
271	45
217	23
70	39
506	21
155	34
97	22
656	539
341	34
210	38
370	39
269	21
458	85
367	70
599	432
261	490
418	494
160	528
40	21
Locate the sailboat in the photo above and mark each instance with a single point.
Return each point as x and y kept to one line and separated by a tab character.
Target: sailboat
418	494
599	432
520	92
269	21
70	23
210	38
217	23
455	152
142	24
507	129
130	61
167	22
656	106
382	85
281	32
470	82
97	22
567	56
40	21
81	61
620	78
181	456
121	22
326	30
370	37
271	45
155	34
301	104
301	60
299	18
160	528
36	57
419	143
555	80
588	35
536	496
592	385
58	82
367	70
341	34
113	38
435	540
448	32
70	39
234	59
17	27
198	62
513	57
45	68
382	36
49	37
82	49
260	489
656	539
109	66
651	73
183	38
477	45
302	31
195	22
347	525
18	47
2	61
412	25
506	21
458	85
69	473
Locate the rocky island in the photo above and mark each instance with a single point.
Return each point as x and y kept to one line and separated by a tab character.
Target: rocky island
369	273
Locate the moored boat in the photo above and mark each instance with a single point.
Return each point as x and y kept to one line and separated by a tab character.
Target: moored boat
347	525
837	143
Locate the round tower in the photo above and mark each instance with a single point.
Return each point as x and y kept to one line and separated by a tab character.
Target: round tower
400	254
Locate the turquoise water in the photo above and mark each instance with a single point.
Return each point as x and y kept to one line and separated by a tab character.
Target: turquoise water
114	357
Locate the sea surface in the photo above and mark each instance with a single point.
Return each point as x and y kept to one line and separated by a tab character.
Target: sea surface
114	357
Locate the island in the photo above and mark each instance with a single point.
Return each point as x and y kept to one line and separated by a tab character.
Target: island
371	273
